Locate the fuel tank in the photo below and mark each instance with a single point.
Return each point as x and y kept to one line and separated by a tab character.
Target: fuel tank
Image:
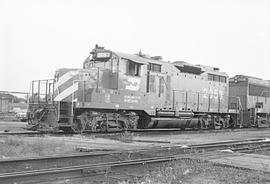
174	123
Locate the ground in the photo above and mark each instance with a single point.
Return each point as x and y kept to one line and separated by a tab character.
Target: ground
183	171
12	126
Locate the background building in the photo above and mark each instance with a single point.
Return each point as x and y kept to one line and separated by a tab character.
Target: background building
11	103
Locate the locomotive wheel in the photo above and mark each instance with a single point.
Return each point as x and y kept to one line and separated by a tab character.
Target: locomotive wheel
78	126
103	126
221	125
199	125
121	125
216	126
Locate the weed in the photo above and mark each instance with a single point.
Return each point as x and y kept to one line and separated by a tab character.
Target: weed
12	146
197	171
126	136
265	166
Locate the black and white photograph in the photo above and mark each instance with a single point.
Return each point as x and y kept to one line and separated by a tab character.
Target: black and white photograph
135	91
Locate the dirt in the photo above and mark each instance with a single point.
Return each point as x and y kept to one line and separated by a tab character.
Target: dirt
183	172
199	172
136	140
201	138
143	139
131	141
8	117
265	152
12	126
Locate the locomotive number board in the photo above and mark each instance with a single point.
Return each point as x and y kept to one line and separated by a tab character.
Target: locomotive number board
103	55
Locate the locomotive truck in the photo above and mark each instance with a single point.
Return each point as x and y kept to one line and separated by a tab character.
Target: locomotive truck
118	91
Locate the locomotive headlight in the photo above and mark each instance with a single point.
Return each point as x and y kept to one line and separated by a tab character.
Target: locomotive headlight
117	106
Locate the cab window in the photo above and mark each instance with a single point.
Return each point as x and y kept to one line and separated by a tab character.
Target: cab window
154	67
210	77
133	68
222	79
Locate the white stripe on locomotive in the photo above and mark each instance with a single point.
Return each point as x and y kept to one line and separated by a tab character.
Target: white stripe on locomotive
64	78
67	92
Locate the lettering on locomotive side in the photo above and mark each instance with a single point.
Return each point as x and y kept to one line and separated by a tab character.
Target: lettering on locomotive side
107	98
205	93
132	83
131	99
214	93
221	94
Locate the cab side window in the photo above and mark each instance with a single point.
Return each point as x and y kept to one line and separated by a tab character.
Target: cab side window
217	78
154	67
133	68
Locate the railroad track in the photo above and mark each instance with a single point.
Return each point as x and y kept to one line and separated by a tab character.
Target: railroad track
38	169
17	164
188	131
178	130
171	130
21	133
47	175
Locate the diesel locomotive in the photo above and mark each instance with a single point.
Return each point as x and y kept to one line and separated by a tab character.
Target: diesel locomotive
254	100
115	91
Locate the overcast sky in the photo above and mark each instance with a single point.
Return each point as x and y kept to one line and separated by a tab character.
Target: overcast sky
39	36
